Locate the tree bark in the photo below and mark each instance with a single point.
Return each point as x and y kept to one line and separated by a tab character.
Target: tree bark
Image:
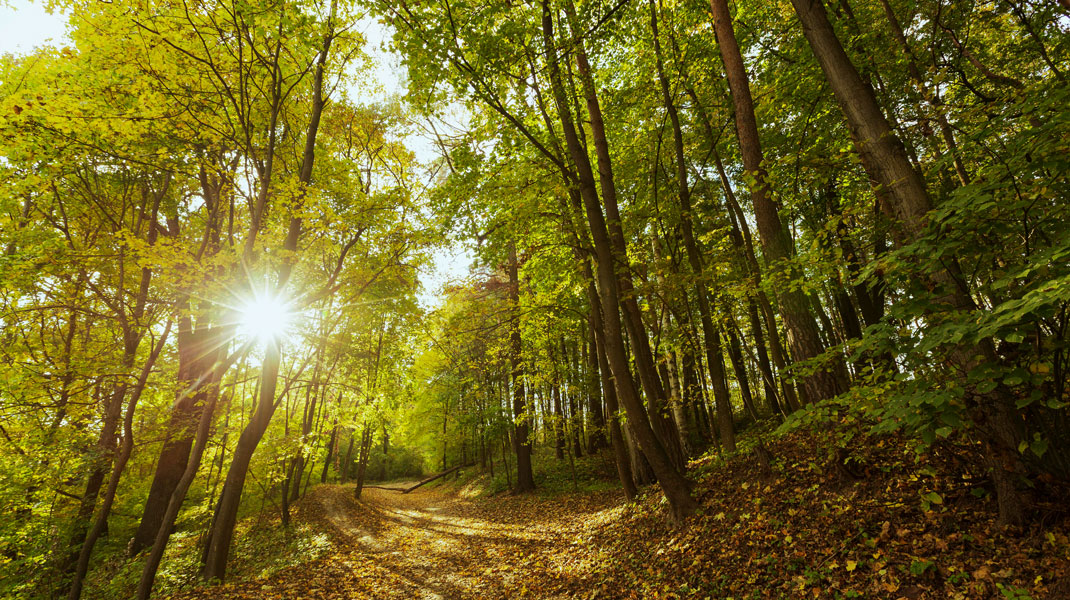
673	483
198	351
307	419
885	156
152	562
222	532
596	438
743	241
694	256
226	516
362	460
343	469
330	449
735	354
101	522
794	308
575	414
525	479
559	421
645	365
609	391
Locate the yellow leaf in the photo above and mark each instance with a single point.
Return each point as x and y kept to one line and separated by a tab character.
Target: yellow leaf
851	565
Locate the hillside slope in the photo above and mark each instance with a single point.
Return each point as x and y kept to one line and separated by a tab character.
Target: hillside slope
888	525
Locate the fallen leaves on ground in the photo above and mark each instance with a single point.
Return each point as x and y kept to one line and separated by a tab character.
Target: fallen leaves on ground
906	528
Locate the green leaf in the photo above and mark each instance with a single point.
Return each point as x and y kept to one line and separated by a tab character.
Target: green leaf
933	497
928	436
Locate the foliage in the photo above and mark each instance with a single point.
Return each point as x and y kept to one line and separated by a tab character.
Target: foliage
176	160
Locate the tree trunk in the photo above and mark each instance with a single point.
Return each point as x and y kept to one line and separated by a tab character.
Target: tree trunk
101	522
645	365
575	414
330	449
343	469
694	256
525	479
596	439
691	392
152	562
885	156
362	460
609	392
226	516
735	354
198	350
222	532
794	308
673	483
308	416
744	243
559	422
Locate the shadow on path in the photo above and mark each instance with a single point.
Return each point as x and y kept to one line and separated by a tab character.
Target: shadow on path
431	545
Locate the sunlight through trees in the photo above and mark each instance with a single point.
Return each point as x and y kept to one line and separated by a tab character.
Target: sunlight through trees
699	232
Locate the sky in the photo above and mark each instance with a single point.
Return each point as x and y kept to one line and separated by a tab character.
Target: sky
26	25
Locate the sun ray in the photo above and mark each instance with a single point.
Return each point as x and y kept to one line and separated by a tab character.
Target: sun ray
265	318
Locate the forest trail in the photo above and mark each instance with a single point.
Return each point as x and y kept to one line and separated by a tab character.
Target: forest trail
433	545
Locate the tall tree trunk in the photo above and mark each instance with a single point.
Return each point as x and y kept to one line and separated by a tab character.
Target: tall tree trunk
794	308
284	491
596	439
764	367
694	256
222	531
226	516
198	351
667	364
691	392
525	478
673	483
743	241
101	522
885	156
152	562
559	420
343	469
645	365
330	447
307	419
609	391
735	354
575	415
362	460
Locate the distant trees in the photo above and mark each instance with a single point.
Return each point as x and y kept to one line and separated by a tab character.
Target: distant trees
882	190
688	219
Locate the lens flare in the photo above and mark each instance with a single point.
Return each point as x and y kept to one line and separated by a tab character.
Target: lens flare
265	319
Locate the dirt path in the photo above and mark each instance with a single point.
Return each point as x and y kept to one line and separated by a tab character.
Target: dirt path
431	546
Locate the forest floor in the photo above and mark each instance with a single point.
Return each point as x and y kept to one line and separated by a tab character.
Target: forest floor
431	544
891	525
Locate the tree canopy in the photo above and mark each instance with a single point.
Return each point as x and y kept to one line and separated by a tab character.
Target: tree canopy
689	220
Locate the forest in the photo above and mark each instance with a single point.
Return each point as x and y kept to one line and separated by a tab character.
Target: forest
767	299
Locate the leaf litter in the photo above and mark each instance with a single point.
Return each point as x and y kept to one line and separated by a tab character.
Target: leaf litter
905	526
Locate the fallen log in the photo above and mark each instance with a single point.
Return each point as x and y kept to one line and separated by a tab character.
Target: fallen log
420	483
